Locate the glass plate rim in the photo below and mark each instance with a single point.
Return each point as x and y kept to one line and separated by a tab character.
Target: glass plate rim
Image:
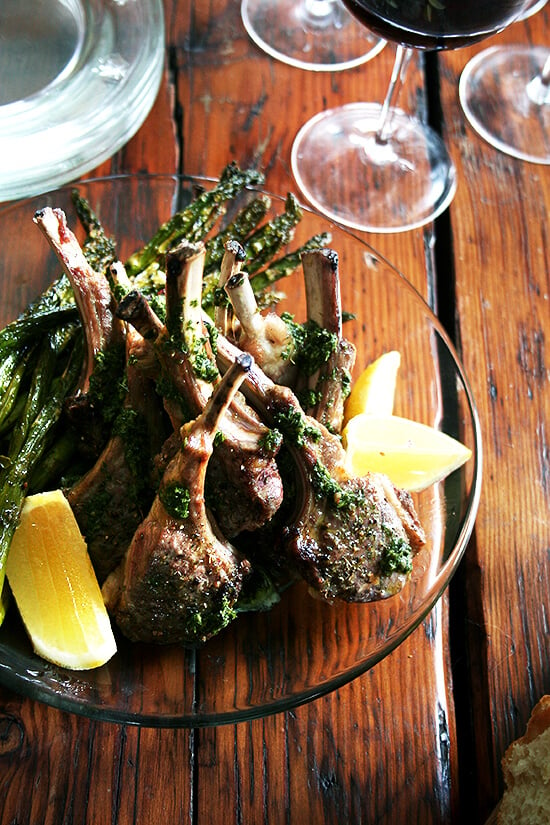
27	686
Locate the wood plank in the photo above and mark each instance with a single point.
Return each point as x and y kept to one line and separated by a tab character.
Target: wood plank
382	748
500	239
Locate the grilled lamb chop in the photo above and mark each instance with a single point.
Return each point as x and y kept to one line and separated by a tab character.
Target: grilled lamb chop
329	383
243	480
179	581
351	538
112	498
104	332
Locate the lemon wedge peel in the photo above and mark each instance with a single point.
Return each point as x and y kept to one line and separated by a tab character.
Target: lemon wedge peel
55	588
413	455
4	601
373	393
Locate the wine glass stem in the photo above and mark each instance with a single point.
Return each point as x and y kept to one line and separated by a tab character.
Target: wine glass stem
318	10
400	65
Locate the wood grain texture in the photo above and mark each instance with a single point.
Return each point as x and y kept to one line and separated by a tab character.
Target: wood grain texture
500	239
348	756
384	748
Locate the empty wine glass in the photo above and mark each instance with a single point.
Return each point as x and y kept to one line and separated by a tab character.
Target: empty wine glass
319	35
505	94
372	166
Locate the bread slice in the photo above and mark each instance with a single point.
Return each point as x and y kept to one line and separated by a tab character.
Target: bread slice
526	768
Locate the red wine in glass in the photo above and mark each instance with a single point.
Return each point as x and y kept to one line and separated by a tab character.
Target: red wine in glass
372	166
435	24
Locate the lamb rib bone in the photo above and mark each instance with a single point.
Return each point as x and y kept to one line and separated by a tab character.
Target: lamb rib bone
266	337
179	581
243	479
232	261
330	383
111	499
351	538
91	290
103	331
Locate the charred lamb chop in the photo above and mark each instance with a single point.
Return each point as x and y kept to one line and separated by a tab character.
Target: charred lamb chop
179	581
351	538
244	484
313	357
112	497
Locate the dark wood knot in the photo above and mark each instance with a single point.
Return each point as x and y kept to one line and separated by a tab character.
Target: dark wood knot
12	734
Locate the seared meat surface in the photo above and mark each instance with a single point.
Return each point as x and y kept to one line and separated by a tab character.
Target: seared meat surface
179	581
351	538
112	498
160	531
243	482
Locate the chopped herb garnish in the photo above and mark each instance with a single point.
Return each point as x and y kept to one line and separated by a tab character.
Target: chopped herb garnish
175	499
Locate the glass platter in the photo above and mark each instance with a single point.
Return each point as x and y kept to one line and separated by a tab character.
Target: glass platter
302	648
77	80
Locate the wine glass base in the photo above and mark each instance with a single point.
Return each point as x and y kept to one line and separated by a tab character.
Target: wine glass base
346	173
309	34
532	9
505	103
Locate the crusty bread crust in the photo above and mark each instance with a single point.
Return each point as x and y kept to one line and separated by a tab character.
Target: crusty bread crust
538	722
515	807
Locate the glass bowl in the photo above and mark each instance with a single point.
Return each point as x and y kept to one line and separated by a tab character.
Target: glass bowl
302	648
77	80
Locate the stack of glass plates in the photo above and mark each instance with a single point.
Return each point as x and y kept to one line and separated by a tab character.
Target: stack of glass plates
77	80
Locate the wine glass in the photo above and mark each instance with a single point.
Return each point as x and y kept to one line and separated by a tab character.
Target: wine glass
372	166
505	94
318	35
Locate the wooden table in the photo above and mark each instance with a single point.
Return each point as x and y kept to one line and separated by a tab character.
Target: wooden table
419	738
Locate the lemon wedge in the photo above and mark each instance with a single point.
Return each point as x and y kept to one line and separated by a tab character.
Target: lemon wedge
55	587
413	455
373	392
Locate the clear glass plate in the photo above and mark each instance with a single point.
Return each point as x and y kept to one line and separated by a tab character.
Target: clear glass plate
77	80
302	648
